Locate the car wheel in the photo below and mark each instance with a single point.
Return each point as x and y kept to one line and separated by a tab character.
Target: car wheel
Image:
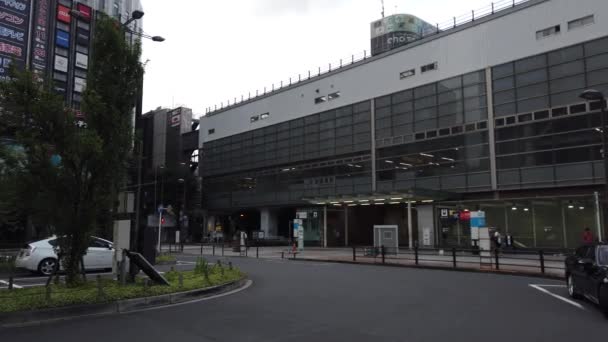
572	291
47	266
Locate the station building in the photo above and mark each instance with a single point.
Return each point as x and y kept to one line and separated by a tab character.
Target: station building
484	115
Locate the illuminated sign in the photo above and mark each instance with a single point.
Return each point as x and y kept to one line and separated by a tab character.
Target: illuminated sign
63	39
63	14
85	12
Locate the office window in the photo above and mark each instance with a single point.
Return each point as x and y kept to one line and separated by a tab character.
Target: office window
211	131
584	21
500	122
408	73
320	99
429	67
548	32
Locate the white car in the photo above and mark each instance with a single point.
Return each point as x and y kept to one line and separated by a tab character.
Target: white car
40	256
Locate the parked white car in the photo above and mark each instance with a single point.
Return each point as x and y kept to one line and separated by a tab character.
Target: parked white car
40	256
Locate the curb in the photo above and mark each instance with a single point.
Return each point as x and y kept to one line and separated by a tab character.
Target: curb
438	268
28	318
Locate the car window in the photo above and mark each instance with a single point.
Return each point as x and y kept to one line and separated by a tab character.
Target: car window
602	255
53	242
97	243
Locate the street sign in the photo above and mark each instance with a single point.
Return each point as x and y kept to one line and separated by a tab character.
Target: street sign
444	213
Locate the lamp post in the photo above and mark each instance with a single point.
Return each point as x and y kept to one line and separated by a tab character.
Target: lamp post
595	95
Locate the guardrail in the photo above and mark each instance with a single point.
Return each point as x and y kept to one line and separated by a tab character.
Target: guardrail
446	26
531	262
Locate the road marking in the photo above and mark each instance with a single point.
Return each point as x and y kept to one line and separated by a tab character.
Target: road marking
547	285
566	300
7	284
179	262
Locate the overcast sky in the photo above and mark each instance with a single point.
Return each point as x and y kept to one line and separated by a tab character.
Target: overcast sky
218	50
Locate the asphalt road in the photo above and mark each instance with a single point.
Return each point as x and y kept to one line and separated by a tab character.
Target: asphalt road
310	301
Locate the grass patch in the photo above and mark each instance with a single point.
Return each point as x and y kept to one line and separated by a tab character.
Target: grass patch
165	258
36	298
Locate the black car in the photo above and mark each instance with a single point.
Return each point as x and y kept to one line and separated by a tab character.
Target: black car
587	274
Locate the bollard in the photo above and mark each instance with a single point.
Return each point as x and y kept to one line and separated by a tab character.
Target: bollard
213	250
382	251
222	249
246	248
10	283
294	255
354	254
48	293
201	248
146	284
454	257
257	252
181	280
416	254
282	255
541	255
496	258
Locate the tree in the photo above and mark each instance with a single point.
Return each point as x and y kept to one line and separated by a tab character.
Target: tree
72	175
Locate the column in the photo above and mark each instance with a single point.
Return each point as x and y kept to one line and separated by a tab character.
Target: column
491	131
409	225
346	226
373	134
325	226
268	223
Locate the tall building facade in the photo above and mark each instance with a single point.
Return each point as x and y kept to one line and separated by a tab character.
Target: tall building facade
483	116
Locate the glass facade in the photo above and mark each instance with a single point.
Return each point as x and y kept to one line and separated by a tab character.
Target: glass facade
439	136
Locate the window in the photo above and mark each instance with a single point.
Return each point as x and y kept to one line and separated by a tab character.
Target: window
559	111
419	136
457	130
320	99
500	122
579	108
211	131
333	96
584	21
444	132
525	117
431	134
96	243
548	32
264	116
255	118
408	73
428	67
510	120
543	114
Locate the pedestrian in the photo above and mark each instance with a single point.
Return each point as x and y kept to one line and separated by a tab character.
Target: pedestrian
497	239
587	236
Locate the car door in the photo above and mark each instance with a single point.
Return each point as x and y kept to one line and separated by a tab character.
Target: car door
598	274
106	255
586	282
576	268
95	254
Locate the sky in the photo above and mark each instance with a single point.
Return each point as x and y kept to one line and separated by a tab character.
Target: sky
218	50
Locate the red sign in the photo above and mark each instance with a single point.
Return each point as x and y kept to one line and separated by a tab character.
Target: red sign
85	12
63	14
465	215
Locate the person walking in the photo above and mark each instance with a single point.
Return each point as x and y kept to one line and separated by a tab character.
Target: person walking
587	236
497	240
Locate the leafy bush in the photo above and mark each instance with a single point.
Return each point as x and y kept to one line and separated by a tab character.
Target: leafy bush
36	298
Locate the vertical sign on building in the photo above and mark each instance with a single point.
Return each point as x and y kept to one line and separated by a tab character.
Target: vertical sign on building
40	37
14	27
81	54
61	64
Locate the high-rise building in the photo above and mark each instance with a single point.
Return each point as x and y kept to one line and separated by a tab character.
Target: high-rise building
484	115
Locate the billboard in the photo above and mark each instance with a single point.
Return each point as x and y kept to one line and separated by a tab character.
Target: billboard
14	27
40	37
63	39
397	30
63	14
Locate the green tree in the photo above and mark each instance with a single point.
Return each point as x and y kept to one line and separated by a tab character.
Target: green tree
71	175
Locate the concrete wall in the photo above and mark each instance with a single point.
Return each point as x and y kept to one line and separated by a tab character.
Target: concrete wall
490	41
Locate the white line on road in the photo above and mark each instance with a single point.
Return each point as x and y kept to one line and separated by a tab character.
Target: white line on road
566	300
548	285
7	284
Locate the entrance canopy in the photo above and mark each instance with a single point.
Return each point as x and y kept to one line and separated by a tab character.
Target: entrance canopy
412	195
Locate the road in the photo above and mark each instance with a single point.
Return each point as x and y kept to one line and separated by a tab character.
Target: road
315	301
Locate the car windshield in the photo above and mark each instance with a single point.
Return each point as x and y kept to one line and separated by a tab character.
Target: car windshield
602	255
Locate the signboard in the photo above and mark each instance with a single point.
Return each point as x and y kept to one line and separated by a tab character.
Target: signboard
397	30
478	219
40	37
465	215
79	84
85	12
63	39
82	60
61	63
296	228
175	117
444	213
14	28
63	14
426	236
302	215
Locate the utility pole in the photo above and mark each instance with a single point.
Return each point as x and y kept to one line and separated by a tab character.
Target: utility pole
135	232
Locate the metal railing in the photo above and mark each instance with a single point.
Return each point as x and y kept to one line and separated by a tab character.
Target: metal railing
446	26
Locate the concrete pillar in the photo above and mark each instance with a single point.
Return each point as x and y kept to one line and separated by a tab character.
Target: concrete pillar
268	222
346	226
426	222
325	227
410	236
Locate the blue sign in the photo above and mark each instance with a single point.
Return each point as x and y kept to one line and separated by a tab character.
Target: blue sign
63	39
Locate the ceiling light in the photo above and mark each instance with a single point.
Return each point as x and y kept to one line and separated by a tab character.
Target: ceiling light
365	205
427	155
320	203
352	205
448	159
570	206
428	201
364	201
395	203
380	199
397	199
514	208
335	202
406	164
389	161
581	208
349	201
526	209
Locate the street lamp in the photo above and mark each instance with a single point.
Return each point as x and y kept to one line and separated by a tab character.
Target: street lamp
596	95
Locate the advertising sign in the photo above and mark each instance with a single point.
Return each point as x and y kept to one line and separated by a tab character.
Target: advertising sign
175	118
40	37
61	63
63	39
63	14
397	30
82	60
14	27
85	12
79	84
